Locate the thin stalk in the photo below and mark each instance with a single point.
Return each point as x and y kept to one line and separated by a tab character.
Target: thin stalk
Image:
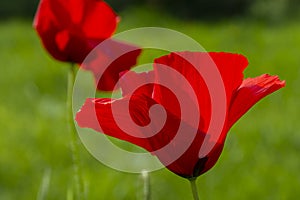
44	187
79	187
194	188
146	188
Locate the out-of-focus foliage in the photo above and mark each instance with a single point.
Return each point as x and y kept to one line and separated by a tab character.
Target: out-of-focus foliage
268	10
275	10
17	8
211	9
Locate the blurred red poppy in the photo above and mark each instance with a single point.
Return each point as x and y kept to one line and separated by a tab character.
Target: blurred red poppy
70	30
109	115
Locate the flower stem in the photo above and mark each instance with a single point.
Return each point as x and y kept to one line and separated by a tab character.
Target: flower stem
146	188
79	187
194	188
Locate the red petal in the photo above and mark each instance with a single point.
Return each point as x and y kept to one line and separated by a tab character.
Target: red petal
130	81
108	60
230	67
109	117
97	114
179	62
250	92
99	20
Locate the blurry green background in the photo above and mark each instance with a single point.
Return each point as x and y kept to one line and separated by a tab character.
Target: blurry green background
261	155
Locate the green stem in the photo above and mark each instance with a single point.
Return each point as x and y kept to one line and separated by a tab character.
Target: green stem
194	188
79	187
146	188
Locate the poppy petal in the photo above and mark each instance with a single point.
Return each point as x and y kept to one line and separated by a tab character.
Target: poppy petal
130	81
99	19
190	65
186	83
109	116
97	114
250	92
231	67
108	60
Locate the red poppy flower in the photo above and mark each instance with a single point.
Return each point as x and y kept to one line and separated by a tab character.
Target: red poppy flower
110	116
70	30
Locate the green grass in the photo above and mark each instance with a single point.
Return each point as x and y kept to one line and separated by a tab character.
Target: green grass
261	155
